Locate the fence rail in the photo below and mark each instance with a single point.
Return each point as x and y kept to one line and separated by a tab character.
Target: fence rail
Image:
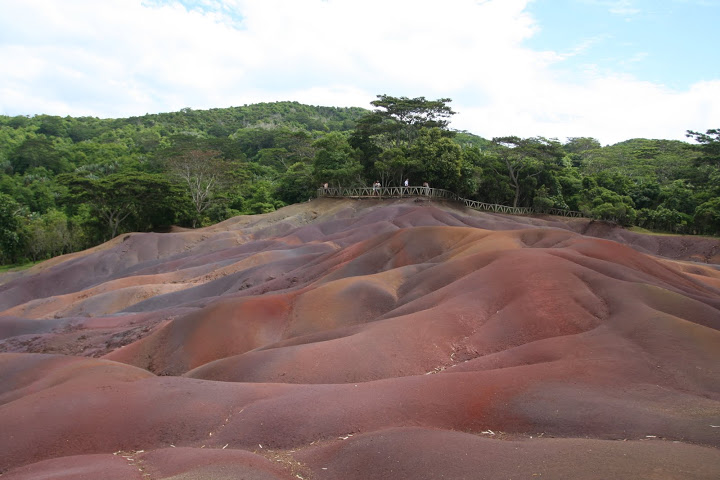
404	192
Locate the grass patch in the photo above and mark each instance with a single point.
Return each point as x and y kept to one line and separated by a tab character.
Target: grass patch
667	234
17	267
651	232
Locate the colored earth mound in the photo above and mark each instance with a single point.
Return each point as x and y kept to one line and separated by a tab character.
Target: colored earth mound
347	339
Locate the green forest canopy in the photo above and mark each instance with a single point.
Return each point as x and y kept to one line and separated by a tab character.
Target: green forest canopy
69	183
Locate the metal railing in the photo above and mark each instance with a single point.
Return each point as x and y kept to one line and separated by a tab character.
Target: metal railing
404	192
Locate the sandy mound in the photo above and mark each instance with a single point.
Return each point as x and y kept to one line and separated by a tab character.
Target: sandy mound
366	339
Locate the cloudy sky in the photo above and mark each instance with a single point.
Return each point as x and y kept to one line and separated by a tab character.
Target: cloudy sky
609	69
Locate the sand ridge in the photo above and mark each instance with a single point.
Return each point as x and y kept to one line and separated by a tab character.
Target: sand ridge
366	339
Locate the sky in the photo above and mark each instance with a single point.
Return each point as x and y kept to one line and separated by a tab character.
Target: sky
608	69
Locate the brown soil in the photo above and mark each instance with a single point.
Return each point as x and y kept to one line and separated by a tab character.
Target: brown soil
366	339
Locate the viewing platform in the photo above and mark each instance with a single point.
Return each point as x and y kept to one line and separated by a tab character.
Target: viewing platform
428	192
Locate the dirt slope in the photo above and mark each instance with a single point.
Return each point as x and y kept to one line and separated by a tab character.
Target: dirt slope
366	339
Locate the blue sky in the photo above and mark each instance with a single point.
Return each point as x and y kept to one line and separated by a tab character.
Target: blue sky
609	69
673	43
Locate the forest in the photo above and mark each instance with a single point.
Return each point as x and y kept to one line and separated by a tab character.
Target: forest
68	183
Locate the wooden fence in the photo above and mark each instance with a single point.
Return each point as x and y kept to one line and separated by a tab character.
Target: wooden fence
404	192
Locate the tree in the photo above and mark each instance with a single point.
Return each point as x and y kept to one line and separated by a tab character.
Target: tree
707	216
709	145
579	148
415	113
679	196
646	194
203	173
395	164
273	157
334	162
296	184
11	238
121	196
37	151
439	159
297	146
599	202
570	182
665	219
581	144
525	159
384	135
48	235
261	200
53	126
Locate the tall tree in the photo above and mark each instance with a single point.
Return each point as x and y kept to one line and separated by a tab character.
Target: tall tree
414	112
120	196
599	202
440	159
525	159
37	151
384	135
581	144
203	173
334	162
297	183
11	235
49	235
707	216
709	145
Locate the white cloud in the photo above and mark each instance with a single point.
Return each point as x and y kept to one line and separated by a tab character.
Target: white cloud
612	109
128	57
625	8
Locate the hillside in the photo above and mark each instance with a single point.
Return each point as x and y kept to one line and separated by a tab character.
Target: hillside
68	184
366	339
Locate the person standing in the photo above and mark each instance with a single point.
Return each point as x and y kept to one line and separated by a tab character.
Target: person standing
407	182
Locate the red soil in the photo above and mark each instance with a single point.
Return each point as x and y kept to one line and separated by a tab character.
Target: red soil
366	339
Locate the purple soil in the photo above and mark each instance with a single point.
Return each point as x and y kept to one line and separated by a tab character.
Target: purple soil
450	454
171	463
352	339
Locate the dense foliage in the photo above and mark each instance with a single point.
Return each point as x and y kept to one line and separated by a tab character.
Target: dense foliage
69	183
